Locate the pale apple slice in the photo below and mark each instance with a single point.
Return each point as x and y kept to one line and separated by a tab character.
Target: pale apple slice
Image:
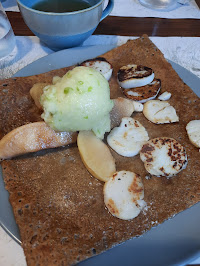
96	156
31	138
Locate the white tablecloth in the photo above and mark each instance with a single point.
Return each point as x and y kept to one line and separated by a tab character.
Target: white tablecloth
182	50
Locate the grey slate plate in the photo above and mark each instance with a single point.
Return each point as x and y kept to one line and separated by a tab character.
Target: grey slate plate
175	242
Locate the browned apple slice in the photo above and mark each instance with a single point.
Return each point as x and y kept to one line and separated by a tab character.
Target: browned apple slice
96	156
122	108
31	138
36	91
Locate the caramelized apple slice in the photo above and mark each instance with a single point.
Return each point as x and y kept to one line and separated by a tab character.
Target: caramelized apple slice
122	108
96	156
36	91
33	137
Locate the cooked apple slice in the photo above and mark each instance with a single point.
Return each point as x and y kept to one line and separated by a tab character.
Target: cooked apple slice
122	108
31	138
36	91
96	156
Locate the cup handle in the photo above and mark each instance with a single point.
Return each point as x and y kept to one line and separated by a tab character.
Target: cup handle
108	9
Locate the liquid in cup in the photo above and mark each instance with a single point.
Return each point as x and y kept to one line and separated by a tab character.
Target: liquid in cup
7	38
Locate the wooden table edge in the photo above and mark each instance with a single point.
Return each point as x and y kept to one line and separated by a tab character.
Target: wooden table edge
127	26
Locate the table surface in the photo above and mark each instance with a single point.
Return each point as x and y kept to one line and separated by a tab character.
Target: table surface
127	26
